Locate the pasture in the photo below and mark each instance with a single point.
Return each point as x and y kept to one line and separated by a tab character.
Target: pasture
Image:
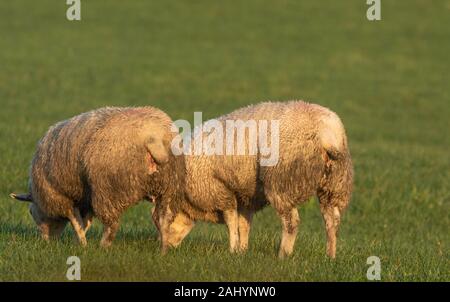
388	80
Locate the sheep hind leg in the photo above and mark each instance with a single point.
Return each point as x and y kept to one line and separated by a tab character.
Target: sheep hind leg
109	233
245	220
232	222
331	216
289	221
77	223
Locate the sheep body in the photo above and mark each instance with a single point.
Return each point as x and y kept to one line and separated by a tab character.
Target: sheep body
99	164
313	160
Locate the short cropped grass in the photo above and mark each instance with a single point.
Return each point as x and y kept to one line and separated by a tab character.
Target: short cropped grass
388	80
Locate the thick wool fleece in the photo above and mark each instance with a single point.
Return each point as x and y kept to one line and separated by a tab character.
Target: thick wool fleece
104	161
313	159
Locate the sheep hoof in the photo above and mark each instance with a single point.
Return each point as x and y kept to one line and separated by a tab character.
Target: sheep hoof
283	254
234	251
242	251
83	242
105	244
331	255
164	250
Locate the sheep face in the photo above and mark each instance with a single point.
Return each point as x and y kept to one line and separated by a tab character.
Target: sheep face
50	228
173	228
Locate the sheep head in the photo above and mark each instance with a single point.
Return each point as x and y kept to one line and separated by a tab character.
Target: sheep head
173	227
48	227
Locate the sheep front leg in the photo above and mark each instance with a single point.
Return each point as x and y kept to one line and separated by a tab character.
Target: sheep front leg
109	233
245	220
87	221
156	222
77	223
289	222
232	221
331	216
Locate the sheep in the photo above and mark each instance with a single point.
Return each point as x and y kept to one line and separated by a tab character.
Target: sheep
98	164
314	159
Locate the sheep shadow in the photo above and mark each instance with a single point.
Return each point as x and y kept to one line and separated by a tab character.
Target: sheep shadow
19	230
25	232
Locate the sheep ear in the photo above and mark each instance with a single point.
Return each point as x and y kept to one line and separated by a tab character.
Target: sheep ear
22	197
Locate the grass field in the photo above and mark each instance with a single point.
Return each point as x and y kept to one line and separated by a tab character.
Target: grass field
388	80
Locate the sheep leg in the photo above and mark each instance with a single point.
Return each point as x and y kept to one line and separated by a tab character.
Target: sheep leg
156	222
109	233
337	219
232	221
87	221
45	231
289	221
78	225
245	220
331	216
57	229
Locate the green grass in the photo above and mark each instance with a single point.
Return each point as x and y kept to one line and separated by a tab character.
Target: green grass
388	80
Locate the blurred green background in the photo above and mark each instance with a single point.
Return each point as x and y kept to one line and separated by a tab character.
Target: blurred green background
388	80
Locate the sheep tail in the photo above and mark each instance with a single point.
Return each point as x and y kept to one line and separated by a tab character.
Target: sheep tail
21	197
333	138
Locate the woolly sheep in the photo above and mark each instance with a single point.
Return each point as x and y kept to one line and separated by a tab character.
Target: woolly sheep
98	164
314	159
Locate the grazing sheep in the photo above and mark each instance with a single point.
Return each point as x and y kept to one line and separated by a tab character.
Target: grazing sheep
313	160
98	164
